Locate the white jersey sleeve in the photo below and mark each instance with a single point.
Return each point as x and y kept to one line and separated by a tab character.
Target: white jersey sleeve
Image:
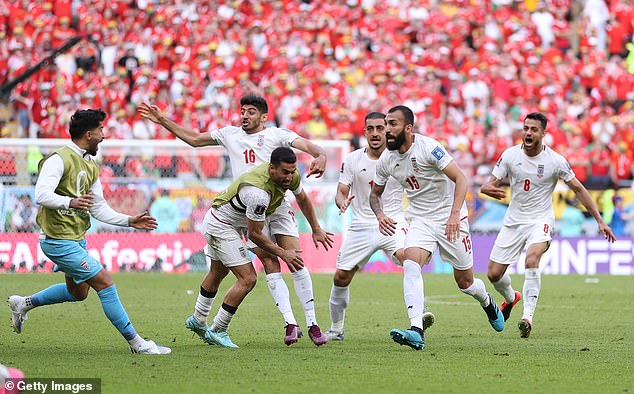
346	174
565	171
382	171
256	201
500	171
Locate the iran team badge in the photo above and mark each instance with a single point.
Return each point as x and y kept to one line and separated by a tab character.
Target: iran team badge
540	170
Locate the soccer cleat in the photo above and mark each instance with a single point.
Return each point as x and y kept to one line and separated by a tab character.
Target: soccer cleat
293	333
495	316
17	304
525	328
149	347
506	308
315	335
409	338
220	338
333	335
192	324
428	320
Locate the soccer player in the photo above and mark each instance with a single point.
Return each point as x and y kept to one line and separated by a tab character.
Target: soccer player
249	146
245	205
363	237
69	191
533	170
435	187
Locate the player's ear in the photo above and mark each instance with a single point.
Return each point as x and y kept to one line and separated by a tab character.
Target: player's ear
264	117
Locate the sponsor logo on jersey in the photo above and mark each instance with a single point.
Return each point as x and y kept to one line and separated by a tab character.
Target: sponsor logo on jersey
438	153
540	170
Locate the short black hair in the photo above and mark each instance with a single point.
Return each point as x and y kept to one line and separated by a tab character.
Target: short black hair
84	120
257	101
539	117
283	155
407	113
374	115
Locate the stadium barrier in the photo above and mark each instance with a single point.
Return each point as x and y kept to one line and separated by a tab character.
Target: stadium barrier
182	252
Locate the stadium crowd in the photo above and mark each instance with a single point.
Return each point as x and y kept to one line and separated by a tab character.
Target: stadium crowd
469	69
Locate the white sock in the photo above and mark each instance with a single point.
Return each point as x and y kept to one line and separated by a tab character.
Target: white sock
503	286
279	292
478	291
202	308
339	299
28	304
413	290
136	341
222	320
532	285
304	290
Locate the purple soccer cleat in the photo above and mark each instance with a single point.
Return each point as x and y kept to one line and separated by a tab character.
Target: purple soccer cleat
316	336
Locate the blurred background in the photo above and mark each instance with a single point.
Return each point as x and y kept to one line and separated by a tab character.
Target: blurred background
470	70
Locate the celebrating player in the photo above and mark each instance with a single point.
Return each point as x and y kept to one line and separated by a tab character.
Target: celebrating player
249	146
533	170
69	190
435	187
244	205
363	237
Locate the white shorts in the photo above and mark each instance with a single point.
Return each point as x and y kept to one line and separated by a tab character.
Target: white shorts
360	244
431	235
225	242
280	222
511	240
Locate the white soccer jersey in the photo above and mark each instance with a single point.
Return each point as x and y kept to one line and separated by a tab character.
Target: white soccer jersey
419	170
253	203
533	181
247	151
357	171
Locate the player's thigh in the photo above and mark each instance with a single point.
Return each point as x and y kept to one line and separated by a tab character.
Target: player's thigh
391	244
72	258
539	238
460	253
508	245
420	241
282	221
357	248
227	247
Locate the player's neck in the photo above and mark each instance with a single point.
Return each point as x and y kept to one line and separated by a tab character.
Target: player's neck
374	154
534	151
254	131
406	145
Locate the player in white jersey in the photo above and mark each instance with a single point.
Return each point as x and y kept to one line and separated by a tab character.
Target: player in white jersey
533	171
245	204
248	146
363	237
436	188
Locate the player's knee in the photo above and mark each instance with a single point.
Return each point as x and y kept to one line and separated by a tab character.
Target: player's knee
249	282
494	276
271	264
341	280
80	294
464	283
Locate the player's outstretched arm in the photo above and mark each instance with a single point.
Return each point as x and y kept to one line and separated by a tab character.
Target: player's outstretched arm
454	173
387	225
342	198
154	114
320	236
492	188
318	165
292	258
143	221
586	199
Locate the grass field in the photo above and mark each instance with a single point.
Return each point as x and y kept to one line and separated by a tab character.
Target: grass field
581	342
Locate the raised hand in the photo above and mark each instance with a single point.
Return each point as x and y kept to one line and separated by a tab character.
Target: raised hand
317	166
150	112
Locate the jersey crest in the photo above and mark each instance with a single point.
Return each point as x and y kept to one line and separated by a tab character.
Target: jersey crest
540	171
260	141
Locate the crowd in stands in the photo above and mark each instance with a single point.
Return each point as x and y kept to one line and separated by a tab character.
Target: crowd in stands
470	70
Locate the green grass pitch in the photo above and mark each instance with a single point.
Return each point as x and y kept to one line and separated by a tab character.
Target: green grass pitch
582	340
